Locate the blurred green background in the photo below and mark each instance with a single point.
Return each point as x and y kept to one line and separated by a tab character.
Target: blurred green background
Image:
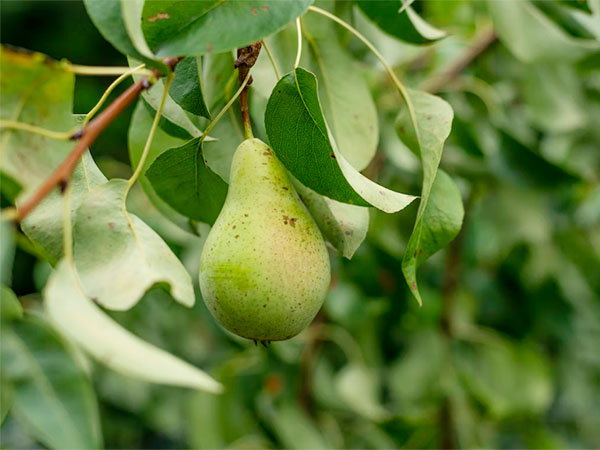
505	351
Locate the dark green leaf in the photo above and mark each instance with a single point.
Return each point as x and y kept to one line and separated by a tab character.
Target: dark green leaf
347	102
186	89
299	135
53	397
141	122
405	25
109	18
230	24
162	20
181	177
425	132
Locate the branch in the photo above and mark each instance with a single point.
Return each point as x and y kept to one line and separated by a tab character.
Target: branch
86	137
479	44
246	58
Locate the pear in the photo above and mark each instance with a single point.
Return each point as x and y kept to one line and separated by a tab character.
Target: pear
264	269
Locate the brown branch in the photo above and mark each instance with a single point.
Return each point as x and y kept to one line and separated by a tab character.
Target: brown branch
450	285
479	44
246	58
86	136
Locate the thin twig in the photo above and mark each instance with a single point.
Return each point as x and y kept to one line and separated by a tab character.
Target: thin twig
299	52
479	44
63	172
271	58
246	58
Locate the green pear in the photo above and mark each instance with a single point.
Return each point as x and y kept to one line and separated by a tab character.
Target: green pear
264	269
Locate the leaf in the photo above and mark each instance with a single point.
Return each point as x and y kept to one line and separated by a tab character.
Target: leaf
358	386
7	252
555	98
298	133
79	318
164	19
139	127
344	226
172	112
438	225
399	20
293	428
504	377
417	377
532	37
181	177
10	307
131	11
118	257
37	90
53	397
186	88
6	399
109	17
347	102
424	133
245	22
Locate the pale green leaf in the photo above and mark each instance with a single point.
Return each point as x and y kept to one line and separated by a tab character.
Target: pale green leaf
533	37
39	91
344	226
79	318
118	257
53	397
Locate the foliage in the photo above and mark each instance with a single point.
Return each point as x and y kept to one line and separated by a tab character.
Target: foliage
503	350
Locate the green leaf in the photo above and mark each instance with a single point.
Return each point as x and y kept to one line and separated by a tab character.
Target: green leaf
7	252
359	388
424	132
400	21
139	128
344	226
504	377
555	98
161	20
347	102
186	88
417	377
39	91
300	137
435	228
293	428
53	397
172	112
10	307
245	22
182	178
118	257
533	37
110	16
6	398
79	318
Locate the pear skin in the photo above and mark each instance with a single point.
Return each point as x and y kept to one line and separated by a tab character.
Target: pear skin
264	269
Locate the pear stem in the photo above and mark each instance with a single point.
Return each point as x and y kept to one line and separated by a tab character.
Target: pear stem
246	58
